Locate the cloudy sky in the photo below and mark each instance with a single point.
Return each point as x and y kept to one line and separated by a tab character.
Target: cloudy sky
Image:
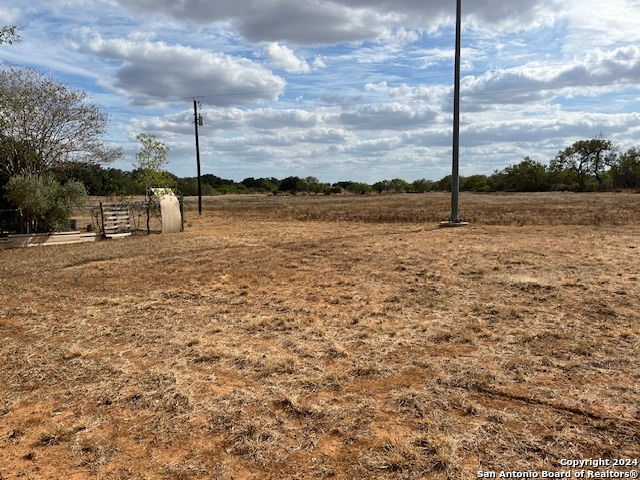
347	89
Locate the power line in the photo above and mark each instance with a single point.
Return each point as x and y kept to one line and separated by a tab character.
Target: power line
442	97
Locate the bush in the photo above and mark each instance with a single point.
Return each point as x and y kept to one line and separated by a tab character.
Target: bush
45	203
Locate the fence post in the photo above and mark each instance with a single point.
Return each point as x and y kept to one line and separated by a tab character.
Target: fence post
102	218
182	212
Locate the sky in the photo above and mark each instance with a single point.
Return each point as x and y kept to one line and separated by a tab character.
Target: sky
358	90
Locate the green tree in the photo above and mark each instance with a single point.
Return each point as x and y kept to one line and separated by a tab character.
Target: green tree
383	186
398	185
422	185
89	175
444	184
118	182
260	184
150	162
289	184
586	160
332	189
215	182
45	203
359	188
45	124
626	171
526	176
310	185
188	186
475	183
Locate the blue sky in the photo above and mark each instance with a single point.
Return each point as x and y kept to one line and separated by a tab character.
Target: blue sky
346	89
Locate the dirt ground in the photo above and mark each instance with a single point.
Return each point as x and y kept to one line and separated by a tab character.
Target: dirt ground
282	338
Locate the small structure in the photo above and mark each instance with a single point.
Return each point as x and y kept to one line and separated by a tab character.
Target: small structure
116	220
169	210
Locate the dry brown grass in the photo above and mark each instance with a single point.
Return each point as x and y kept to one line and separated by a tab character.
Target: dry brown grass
340	337
553	208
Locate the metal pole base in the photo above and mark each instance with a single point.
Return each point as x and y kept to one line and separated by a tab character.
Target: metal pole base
453	224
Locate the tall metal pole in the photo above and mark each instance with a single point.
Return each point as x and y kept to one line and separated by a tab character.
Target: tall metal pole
455	171
195	114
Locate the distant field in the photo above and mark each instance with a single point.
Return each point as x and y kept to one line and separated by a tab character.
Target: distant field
328	337
554	208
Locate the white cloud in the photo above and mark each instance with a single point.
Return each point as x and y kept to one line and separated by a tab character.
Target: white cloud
337	21
271	118
10	15
604	25
283	57
326	135
595	73
158	72
320	62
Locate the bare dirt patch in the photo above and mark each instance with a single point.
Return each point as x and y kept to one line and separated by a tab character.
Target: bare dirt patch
328	338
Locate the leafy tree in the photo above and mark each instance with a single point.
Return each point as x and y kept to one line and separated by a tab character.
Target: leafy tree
118	182
343	185
215	181
383	186
260	184
289	184
585	160
45	203
526	176
90	175
332	189
274	181
150	162
475	183
189	187
398	185
626	171
444	184
422	185
310	185
359	188
44	124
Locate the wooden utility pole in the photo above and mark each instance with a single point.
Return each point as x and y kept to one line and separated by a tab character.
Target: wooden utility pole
197	121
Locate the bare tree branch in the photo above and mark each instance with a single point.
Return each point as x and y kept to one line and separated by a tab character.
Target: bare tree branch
45	124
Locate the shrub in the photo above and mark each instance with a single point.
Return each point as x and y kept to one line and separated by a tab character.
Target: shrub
45	203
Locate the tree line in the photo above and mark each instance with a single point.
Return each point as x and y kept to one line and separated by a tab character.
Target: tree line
587	165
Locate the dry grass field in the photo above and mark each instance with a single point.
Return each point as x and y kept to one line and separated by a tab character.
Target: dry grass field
328	337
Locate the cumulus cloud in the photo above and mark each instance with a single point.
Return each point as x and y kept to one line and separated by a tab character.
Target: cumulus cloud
388	116
320	62
594	23
156	72
338	21
327	135
271	118
283	57
9	15
596	72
